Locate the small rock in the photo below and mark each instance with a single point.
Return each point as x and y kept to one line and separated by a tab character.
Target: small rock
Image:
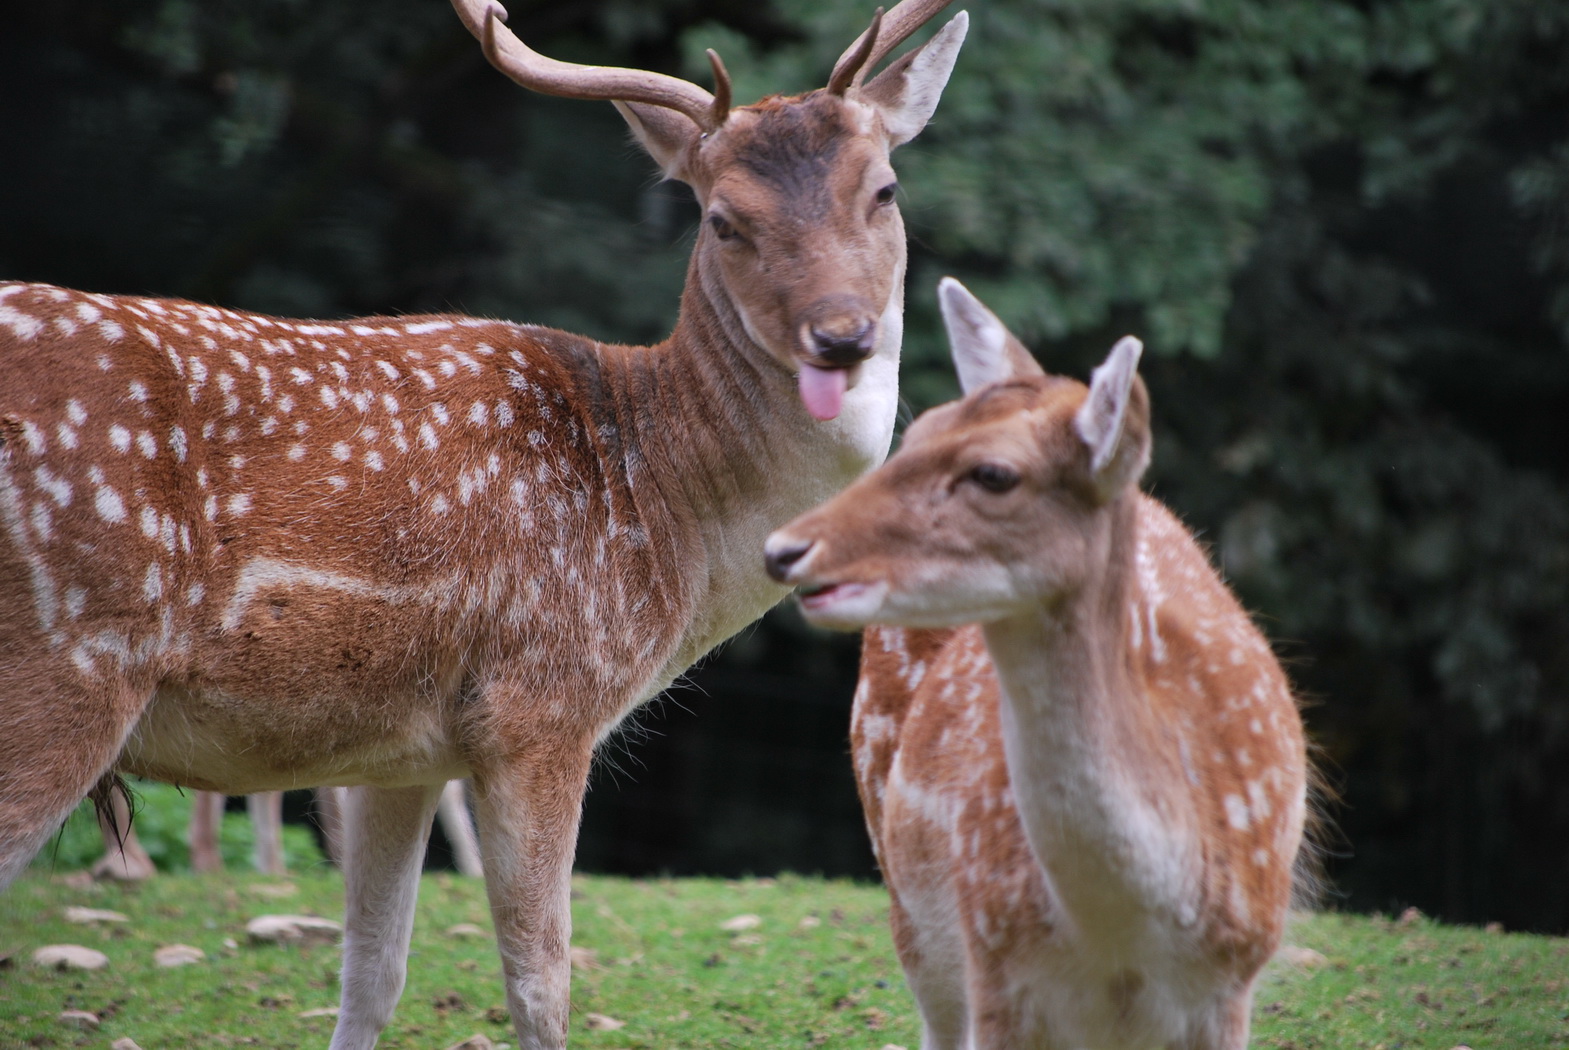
70	957
811	922
741	922
293	929
601	1023
1303	958
90	915
273	890
477	1041
124	1043
86	1020
321	1011
465	931
77	880
178	955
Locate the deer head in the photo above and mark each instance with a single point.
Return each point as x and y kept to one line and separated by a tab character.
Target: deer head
994	503
802	246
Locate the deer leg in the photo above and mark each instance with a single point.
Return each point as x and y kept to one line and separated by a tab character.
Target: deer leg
528	808
384	836
202	836
124	859
329	815
459	829
60	735
938	985
266	810
1223	1028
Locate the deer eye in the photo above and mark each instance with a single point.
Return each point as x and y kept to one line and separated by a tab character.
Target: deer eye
886	194
994	477
722	228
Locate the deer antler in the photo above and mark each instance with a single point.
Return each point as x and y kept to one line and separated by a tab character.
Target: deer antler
886	33
548	76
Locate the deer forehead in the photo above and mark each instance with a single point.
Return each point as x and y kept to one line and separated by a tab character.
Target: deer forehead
796	155
1023	420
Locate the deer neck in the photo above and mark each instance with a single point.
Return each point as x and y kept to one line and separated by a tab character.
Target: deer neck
1098	783
738	453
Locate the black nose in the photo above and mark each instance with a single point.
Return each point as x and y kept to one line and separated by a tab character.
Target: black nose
778	560
844	342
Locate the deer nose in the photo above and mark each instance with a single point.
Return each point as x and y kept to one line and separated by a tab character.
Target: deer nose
843	341
780	555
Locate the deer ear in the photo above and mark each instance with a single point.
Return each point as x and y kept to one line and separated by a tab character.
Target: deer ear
1113	422
984	351
906	93
664	133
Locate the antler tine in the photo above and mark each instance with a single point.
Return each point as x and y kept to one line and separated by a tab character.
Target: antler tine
897	25
721	106
548	76
848	69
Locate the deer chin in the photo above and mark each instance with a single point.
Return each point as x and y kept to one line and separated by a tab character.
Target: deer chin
844	606
823	390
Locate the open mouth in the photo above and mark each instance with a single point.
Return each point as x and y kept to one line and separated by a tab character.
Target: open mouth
841	604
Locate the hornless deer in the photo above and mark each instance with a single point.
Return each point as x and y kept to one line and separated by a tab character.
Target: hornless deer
1088	807
243	554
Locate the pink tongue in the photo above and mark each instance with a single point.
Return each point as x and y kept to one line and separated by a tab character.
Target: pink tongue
822	390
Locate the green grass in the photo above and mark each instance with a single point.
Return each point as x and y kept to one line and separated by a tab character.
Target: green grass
818	970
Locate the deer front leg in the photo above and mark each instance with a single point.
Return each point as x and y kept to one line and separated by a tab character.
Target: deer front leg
528	806
384	835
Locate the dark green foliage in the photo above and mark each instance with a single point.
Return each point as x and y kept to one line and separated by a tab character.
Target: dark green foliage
1342	229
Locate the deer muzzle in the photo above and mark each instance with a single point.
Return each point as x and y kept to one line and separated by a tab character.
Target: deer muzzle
839	333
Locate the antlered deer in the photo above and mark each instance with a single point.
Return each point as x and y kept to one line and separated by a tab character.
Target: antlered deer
1087	808
242	553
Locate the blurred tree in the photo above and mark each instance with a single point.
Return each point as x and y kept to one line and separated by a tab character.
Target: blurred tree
1341	227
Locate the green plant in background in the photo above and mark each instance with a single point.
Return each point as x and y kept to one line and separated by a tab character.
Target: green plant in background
162	821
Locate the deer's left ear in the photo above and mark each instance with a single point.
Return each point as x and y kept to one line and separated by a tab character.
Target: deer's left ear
1114	421
664	133
906	93
983	349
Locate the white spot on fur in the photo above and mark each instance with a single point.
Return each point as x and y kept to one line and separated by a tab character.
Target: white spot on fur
152	583
110	506
1236	812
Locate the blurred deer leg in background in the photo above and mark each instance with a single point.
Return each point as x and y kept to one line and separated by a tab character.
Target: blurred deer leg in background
458	826
266	811
124	858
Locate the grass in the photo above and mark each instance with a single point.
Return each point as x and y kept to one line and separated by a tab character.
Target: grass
817	969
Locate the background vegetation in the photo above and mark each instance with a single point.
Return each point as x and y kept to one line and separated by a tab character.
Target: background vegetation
1341	226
